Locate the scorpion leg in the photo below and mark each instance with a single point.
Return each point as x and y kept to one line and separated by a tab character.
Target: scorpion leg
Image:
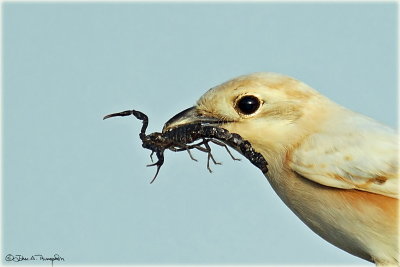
209	155
226	147
206	149
202	149
187	148
159	163
190	154
181	147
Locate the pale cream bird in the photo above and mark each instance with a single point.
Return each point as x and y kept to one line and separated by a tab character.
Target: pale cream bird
337	170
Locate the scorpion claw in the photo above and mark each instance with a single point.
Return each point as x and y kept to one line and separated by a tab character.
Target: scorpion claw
159	163
155	176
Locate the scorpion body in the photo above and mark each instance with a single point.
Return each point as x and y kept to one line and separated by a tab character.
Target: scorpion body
185	138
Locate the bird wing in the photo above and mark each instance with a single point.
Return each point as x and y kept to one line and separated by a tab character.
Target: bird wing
361	154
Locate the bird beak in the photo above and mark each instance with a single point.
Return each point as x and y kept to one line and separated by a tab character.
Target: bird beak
189	116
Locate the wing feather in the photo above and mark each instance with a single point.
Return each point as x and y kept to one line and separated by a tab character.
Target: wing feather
357	153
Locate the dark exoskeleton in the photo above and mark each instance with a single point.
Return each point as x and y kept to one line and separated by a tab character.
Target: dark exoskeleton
184	138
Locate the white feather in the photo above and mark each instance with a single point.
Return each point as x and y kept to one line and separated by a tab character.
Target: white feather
351	151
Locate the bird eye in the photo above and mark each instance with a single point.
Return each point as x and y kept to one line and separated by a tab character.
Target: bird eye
248	104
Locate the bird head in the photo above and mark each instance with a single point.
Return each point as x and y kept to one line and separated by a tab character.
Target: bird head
270	110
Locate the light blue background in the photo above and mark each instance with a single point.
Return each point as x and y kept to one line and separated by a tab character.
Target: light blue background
78	186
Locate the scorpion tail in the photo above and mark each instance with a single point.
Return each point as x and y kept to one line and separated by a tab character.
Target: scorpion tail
120	114
139	115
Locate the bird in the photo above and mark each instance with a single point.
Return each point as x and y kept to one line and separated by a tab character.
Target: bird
336	169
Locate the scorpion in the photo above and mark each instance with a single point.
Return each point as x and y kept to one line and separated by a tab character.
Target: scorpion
192	136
